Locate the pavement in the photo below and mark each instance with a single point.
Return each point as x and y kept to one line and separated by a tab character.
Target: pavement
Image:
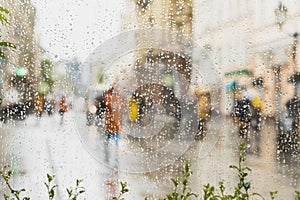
56	146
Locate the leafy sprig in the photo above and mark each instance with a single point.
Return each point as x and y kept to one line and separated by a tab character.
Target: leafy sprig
74	193
50	187
6	175
123	190
182	182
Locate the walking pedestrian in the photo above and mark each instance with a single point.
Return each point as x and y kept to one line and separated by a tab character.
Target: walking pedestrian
39	105
256	121
63	107
114	104
204	112
242	114
292	140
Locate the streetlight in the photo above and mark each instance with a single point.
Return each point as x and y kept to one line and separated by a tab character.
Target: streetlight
293	105
295	78
277	69
280	15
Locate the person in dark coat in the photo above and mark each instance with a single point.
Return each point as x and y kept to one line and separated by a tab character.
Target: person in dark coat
242	114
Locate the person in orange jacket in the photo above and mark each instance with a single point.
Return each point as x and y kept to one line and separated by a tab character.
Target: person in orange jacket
114	104
39	105
63	106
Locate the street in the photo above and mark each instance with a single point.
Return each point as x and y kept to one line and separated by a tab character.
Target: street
56	146
97	93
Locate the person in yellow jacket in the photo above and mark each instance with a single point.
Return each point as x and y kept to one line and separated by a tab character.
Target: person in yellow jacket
256	120
204	107
204	111
133	108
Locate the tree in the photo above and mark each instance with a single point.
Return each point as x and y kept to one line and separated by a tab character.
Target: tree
46	72
4	20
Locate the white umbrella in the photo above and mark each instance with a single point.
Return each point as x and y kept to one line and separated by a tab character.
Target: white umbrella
249	94
126	82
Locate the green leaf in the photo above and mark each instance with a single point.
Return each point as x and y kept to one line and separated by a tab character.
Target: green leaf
6	197
233	167
69	192
51	193
54	186
247	186
2	9
257	194
78	181
50	178
9	174
175	181
187	168
246	168
22	190
2	55
3	19
272	194
185	182
7	44
189	194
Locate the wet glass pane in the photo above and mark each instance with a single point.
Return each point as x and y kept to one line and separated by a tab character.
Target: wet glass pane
96	94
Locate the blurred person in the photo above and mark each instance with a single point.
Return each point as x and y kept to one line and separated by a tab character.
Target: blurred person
112	183
293	107
292	140
100	107
242	113
256	120
114	105
49	106
204	111
39	105
133	108
63	106
136	107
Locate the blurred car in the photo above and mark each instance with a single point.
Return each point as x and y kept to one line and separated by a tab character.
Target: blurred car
16	111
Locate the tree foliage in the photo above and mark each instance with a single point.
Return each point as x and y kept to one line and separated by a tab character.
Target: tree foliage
46	72
4	13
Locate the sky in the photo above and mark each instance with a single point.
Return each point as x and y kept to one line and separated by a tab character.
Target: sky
74	28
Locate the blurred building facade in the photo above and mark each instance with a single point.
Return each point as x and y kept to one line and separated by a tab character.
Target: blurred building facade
247	36
244	40
172	63
174	15
20	31
73	74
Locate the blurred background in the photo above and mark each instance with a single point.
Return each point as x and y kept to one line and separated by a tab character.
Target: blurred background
212	57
